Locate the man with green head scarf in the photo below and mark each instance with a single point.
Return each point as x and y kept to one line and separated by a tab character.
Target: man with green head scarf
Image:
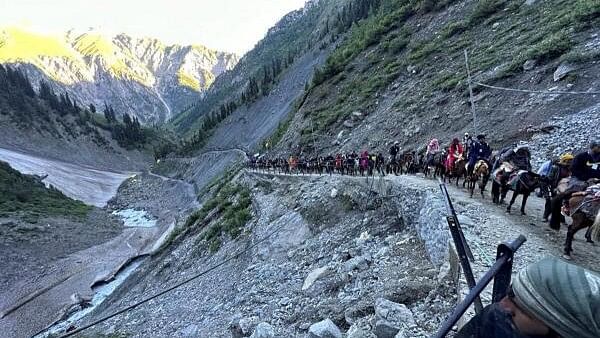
550	299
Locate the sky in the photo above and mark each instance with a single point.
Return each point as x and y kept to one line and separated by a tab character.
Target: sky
224	25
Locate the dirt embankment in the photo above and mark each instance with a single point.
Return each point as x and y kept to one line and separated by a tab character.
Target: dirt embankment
340	244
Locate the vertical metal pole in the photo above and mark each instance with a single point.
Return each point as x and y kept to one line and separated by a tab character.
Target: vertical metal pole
471	92
461	246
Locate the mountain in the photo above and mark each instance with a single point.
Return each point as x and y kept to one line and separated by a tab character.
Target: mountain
261	89
52	125
139	76
366	72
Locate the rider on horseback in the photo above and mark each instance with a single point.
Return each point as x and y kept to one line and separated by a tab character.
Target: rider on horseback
432	148
554	171
455	152
467	143
585	170
519	158
511	161
479	151
394	150
586	165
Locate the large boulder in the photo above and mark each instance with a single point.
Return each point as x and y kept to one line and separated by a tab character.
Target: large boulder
324	329
391	318
263	330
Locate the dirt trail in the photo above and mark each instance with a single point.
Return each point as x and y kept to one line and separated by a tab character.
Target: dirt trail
486	225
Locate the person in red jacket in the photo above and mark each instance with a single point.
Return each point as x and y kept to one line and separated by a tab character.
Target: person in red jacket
455	152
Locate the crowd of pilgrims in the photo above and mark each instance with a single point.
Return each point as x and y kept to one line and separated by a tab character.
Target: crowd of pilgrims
432	159
558	180
539	301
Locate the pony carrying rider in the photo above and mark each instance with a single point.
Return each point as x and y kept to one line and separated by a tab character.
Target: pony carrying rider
480	151
433	147
553	170
585	170
455	151
510	163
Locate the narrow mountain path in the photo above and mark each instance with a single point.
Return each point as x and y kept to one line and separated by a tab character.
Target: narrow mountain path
486	224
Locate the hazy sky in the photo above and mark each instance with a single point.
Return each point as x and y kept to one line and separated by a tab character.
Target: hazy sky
229	25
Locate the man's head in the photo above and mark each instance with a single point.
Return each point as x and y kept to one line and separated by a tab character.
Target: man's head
396	143
595	147
455	141
481	138
554	296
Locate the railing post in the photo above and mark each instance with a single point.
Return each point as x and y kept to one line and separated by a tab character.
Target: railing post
499	265
503	277
462	248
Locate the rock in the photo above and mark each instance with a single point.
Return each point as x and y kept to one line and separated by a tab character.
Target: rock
324	329
340	135
530	2
334	193
496	25
465	221
529	64
190	331
263	330
391	317
563	70
357	115
348	124
242	326
386	329
359	263
355	313
401	334
411	69
360	332
313	276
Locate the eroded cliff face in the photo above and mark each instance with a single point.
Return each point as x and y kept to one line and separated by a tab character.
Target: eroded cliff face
139	76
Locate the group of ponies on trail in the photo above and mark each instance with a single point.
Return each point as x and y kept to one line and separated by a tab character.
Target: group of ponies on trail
521	183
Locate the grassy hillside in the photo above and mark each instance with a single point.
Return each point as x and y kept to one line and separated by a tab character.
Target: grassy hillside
403	68
27	197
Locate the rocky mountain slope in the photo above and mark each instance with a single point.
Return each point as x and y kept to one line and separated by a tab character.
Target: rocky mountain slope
51	125
139	76
398	73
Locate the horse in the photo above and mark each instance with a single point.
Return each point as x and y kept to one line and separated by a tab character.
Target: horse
524	183
481	174
458	170
393	166
581	220
435	162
